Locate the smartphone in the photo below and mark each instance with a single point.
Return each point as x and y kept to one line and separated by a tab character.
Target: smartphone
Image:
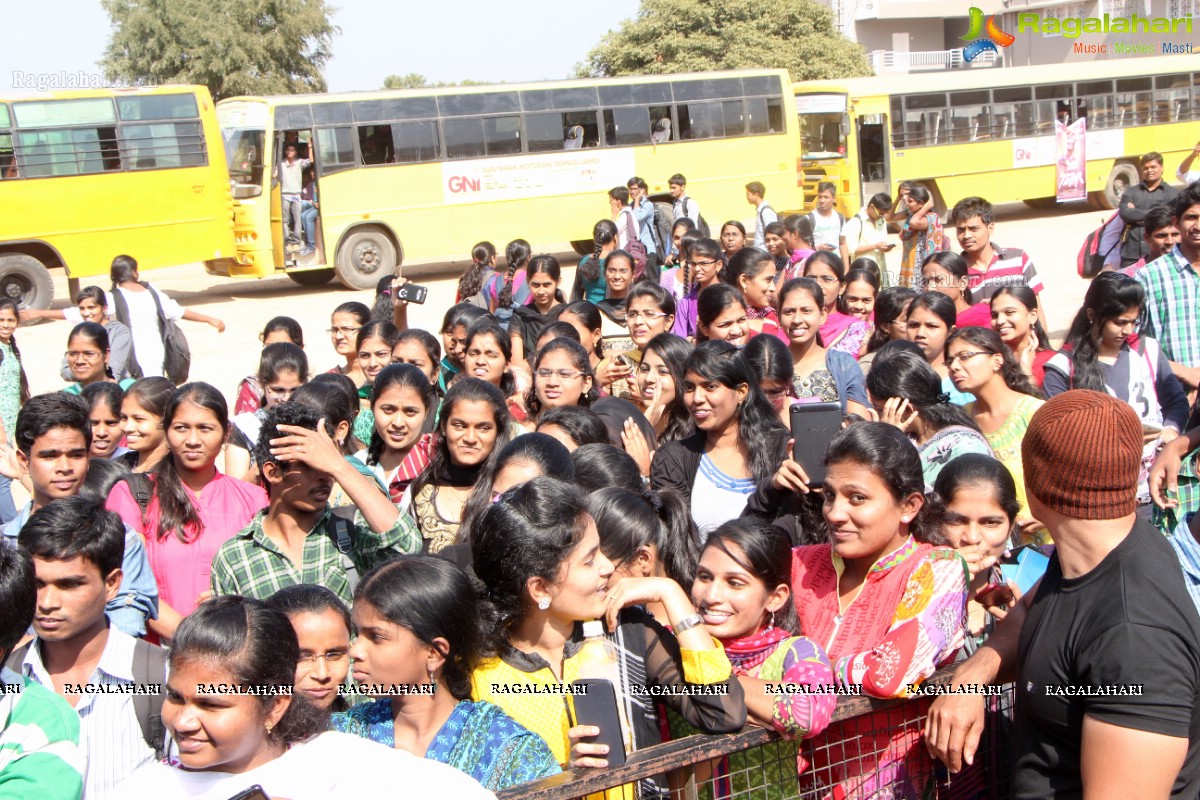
413	293
255	792
1024	567
598	707
813	427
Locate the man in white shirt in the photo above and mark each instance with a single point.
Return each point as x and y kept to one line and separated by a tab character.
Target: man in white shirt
865	236
827	223
683	206
1184	173
764	215
77	549
291	183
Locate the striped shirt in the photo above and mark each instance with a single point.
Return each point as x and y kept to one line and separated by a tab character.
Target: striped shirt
1009	267
40	754
1172	297
108	724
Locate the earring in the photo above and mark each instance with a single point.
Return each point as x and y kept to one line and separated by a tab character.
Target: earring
771	621
544	603
430	671
269	726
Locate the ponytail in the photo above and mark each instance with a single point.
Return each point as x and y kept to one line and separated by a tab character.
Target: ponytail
628	521
472	280
175	509
517	253
24	393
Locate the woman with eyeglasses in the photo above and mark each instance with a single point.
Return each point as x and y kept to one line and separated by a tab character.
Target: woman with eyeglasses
1005	401
91	305
282	369
562	376
250	392
323	629
345	323
701	269
87	357
839	331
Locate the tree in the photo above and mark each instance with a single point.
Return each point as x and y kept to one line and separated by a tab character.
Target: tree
231	46
415	80
698	35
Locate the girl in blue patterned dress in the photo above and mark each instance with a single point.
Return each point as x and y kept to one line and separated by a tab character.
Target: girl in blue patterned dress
14	391
415	652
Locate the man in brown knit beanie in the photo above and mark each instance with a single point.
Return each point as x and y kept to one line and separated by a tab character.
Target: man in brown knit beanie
1105	650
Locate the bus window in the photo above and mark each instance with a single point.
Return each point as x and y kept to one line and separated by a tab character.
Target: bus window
553	130
969	119
164	145
8	162
416	142
711	120
1096	99
159	106
924	119
626	126
78	151
502	135
335	149
243	152
1012	112
1171	97
1133	101
464	138
765	115
661	129
1053	104
375	144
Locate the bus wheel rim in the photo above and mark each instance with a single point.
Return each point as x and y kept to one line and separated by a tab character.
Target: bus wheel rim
366	258
15	288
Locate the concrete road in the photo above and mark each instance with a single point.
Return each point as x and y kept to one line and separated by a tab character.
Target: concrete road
1052	238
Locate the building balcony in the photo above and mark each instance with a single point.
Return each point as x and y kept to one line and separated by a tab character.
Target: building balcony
892	61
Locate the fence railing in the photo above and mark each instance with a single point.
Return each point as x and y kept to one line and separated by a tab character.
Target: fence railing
873	749
927	60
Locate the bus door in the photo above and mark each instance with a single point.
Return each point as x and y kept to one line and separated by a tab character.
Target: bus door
303	247
873	166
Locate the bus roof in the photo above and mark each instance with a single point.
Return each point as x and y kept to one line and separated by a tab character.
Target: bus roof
960	79
374	94
125	91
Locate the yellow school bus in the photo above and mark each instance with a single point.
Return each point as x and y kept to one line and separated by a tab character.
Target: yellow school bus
419	176
92	174
990	132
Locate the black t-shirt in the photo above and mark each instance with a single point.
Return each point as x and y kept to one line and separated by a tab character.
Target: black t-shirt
1128	623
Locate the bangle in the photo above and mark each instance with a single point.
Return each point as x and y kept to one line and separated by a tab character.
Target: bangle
687	623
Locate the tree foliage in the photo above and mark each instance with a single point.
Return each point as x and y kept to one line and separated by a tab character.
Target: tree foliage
698	35
231	46
415	80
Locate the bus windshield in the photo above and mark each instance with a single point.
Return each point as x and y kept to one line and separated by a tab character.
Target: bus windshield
821	116
243	151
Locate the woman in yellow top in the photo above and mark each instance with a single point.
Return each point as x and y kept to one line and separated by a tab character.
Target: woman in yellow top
537	552
1005	401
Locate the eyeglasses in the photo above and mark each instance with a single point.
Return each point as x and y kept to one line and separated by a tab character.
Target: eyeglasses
705	263
964	356
563	374
618	272
87	355
345	330
277	393
332	657
825	278
649	316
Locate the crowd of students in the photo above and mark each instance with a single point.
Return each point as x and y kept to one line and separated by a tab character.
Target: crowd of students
443	511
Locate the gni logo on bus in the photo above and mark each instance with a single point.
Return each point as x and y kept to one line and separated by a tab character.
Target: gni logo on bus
459	184
994	37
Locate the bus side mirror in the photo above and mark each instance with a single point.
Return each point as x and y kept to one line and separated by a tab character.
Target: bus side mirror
845	125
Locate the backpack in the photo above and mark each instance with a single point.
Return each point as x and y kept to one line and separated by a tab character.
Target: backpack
1102	247
700	222
664	218
177	355
341	531
841	218
635	248
149	668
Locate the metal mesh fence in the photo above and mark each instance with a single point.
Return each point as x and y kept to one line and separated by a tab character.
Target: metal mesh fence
873	750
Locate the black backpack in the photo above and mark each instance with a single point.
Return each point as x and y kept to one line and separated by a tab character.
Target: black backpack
149	671
664	218
177	354
701	223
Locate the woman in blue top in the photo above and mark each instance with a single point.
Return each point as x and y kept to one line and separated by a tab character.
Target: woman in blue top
932	317
589	275
412	618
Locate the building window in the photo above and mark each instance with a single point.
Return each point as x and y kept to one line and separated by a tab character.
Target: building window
1122	8
1183	8
1060	13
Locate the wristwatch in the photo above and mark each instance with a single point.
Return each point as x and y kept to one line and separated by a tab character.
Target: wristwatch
687	623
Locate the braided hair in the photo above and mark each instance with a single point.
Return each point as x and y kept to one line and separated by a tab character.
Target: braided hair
603	234
481	261
12	306
517	254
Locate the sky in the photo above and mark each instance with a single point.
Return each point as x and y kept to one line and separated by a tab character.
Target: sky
450	40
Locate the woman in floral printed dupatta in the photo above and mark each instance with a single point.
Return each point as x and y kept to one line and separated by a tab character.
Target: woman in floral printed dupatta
887	606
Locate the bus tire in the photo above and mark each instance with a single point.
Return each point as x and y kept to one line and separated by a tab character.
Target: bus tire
1098	201
583	247
1124	174
26	280
365	256
311	277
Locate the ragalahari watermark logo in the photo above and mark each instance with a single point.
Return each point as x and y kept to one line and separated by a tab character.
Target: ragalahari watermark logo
981	43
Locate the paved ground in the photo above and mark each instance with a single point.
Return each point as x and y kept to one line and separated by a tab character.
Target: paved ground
1052	238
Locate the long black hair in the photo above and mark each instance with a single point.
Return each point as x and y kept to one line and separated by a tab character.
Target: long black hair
588	314
540	450
977	469
517	255
1110	295
490	326
465	390
335	398
628	521
603	234
175	510
257	644
481	261
712	302
761	436
908	375
579	360
889	306
11	305
529	532
990	342
282	357
674	352
766	553
582	425
1028	298
432	599
746	263
956	265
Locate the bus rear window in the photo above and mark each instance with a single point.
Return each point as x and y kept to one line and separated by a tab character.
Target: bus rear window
159	106
61	113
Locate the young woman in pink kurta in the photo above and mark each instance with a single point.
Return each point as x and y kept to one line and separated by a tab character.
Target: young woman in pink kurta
887	607
193	508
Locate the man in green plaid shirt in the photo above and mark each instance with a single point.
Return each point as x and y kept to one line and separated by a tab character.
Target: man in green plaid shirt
291	542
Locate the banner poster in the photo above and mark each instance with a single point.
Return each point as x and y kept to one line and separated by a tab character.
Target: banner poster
1071	160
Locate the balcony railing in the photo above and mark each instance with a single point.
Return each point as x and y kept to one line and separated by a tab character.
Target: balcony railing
891	61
